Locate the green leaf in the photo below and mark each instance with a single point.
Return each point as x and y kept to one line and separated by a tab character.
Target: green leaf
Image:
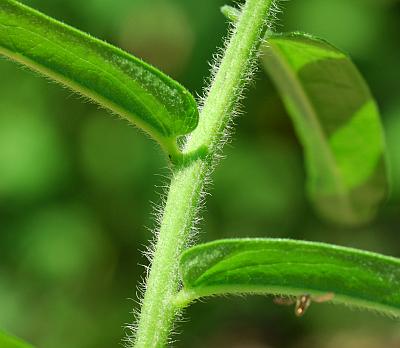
230	12
7	341
337	121
109	76
287	267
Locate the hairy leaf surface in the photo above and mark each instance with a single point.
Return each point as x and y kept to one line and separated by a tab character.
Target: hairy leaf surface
287	267
102	72
337	121
7	341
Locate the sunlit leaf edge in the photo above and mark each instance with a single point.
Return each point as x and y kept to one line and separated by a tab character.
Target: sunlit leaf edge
201	259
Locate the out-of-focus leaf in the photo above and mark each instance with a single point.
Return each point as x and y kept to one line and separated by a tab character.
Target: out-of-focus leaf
7	341
337	121
104	73
287	267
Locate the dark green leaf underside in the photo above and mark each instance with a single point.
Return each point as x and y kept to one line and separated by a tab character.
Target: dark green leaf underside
7	341
286	267
337	121
104	73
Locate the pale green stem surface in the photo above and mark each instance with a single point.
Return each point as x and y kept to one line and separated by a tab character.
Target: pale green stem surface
158	310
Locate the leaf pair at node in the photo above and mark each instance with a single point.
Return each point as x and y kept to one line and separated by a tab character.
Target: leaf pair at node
332	109
338	124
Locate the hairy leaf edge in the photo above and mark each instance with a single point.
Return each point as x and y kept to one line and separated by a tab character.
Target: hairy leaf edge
188	295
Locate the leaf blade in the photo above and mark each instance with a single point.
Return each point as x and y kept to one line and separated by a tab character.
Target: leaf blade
278	266
102	72
337	122
8	341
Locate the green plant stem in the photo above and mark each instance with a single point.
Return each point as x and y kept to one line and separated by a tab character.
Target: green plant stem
158	310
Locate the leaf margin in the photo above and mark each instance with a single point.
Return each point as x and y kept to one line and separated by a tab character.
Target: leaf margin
11	341
190	293
61	30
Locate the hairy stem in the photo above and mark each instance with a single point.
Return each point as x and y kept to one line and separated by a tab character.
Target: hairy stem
158	308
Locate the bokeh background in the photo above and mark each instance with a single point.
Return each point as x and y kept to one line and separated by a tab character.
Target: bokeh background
77	186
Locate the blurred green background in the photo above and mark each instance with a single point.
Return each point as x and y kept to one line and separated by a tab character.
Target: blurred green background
77	186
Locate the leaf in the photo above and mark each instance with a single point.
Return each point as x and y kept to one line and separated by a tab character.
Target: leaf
287	267
7	341
111	77
230	12
337	121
